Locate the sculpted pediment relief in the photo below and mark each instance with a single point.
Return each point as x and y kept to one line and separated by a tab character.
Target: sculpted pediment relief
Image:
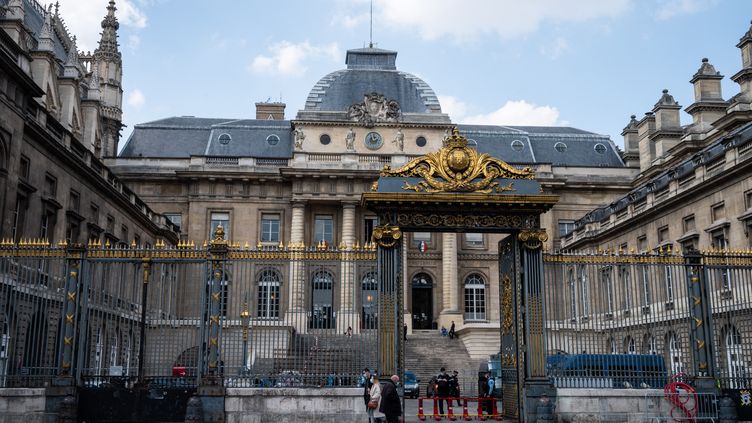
375	108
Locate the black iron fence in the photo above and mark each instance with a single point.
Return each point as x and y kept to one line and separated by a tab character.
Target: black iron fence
248	316
619	320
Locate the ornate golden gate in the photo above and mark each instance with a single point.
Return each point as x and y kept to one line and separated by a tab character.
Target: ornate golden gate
459	190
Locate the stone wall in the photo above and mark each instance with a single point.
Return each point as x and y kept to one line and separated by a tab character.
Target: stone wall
577	405
293	405
22	405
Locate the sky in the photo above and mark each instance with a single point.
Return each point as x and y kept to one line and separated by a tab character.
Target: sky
588	64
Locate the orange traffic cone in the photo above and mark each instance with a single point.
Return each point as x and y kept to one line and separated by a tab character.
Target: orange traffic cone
421	416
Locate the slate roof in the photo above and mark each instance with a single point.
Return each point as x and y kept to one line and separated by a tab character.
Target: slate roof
187	136
371	70
539	145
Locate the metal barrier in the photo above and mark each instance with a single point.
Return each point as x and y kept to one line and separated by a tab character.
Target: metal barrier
487	408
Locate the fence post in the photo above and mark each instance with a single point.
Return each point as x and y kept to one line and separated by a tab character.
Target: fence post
146	264
701	335
74	255
211	391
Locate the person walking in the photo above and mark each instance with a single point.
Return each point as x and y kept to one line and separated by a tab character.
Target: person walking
367	388
451	331
373	405
390	400
442	389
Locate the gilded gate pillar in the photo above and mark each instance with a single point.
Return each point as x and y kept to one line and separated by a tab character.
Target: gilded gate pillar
701	336
388	238
536	385
218	250
74	261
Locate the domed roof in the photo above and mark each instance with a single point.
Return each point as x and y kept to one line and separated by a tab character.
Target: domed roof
369	70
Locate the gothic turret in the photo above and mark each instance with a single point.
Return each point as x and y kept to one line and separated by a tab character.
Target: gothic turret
631	143
109	64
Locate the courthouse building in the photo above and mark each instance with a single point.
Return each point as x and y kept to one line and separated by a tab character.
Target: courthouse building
271	181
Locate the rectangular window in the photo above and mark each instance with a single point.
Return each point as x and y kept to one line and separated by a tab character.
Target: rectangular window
419	237
137	240
663	234
72	231
474	240
748	199
642	243
718	239
718	212
110	224
269	227
608	289
47	226
565	227
175	218
94	213
219	218
324	229
24	167
19	218
369	223
124	234
689	223
74	201
50	185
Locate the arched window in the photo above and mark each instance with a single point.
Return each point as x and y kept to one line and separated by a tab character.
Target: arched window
114	348
267	305
322	299
611	346
584	291
370	288
734	358
648	345
475	297
127	344
98	351
674	353
630	346
572	293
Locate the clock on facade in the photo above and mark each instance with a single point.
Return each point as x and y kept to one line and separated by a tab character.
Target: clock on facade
374	141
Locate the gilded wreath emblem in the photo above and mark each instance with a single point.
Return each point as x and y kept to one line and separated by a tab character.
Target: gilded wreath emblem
459	168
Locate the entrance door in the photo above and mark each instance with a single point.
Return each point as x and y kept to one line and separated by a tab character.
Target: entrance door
422	307
511	357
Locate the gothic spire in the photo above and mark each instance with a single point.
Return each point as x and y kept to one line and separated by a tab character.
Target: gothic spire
45	34
72	68
110	25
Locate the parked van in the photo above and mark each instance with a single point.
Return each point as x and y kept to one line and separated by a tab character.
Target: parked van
607	370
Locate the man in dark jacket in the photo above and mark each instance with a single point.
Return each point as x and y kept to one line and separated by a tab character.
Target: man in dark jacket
390	400
367	385
442	389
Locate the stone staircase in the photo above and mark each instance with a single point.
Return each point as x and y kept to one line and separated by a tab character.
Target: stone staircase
427	351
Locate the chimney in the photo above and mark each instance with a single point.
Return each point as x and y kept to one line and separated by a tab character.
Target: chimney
709	105
744	76
270	111
631	143
668	130
645	127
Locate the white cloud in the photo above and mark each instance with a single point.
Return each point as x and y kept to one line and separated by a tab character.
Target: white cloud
289	59
518	112
555	48
452	106
84	18
136	99
508	19
134	41
667	9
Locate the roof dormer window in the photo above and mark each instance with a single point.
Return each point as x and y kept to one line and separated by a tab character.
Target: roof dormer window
517	145
600	148
225	139
272	139
560	147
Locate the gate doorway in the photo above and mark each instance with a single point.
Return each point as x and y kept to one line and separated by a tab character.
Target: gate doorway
422	304
459	190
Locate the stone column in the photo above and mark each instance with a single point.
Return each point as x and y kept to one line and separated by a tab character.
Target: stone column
449	273
349	279
296	306
406	285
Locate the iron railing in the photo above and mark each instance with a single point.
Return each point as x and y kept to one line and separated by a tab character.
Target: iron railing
284	316
616	320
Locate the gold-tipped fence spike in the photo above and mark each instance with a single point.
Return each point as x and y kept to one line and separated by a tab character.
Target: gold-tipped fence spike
357	245
259	245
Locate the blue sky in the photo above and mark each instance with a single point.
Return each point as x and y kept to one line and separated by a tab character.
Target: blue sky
583	63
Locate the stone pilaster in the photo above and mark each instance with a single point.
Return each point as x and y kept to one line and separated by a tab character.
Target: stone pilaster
296	310
349	283
450	300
